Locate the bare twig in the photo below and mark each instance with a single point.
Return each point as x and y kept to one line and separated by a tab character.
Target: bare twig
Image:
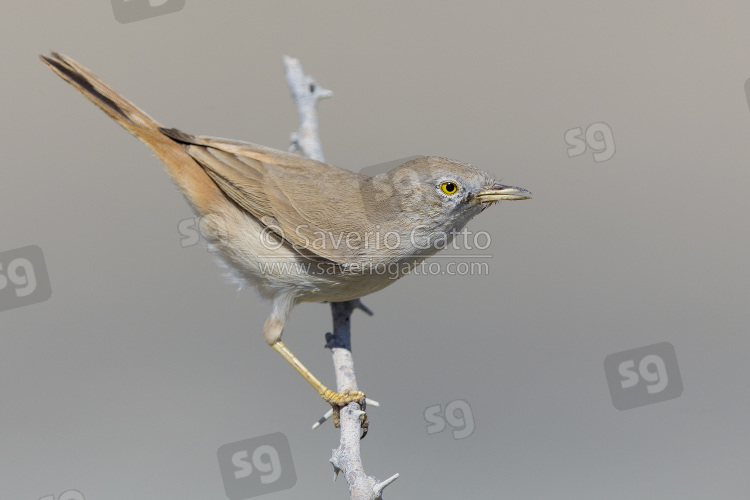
306	94
346	458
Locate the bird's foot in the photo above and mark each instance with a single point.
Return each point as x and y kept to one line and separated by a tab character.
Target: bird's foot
338	400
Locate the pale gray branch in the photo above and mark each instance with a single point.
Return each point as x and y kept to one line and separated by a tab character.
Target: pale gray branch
306	94
346	458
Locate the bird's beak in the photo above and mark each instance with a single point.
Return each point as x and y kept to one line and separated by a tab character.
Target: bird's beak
500	192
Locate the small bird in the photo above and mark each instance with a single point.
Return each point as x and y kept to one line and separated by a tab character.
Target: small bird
299	230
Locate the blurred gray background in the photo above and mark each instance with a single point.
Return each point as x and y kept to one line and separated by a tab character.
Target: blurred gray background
143	362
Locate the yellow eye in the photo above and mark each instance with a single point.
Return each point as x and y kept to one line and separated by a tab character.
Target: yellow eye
449	188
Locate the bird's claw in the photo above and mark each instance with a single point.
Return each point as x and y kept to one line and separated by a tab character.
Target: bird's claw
338	400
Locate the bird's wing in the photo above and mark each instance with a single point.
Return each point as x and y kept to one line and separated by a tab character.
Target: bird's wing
310	204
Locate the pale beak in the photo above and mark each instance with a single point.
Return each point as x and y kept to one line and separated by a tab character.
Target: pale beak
500	192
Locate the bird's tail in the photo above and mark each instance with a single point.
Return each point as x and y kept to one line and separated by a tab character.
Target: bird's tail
199	189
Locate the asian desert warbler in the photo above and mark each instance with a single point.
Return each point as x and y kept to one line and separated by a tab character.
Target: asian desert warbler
300	230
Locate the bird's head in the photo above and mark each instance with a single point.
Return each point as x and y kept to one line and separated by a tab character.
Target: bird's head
443	194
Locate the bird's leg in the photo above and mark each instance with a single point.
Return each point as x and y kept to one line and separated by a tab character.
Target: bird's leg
336	399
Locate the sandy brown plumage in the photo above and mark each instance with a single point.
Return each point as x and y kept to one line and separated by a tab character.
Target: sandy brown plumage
248	195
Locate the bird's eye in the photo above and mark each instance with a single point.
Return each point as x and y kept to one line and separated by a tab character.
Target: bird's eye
449	188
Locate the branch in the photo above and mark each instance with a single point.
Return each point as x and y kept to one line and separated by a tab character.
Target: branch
346	458
306	94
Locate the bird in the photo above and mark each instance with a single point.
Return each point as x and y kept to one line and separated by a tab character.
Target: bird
299	230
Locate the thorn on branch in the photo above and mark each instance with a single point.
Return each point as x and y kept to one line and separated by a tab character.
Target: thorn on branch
335	462
378	489
359	305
